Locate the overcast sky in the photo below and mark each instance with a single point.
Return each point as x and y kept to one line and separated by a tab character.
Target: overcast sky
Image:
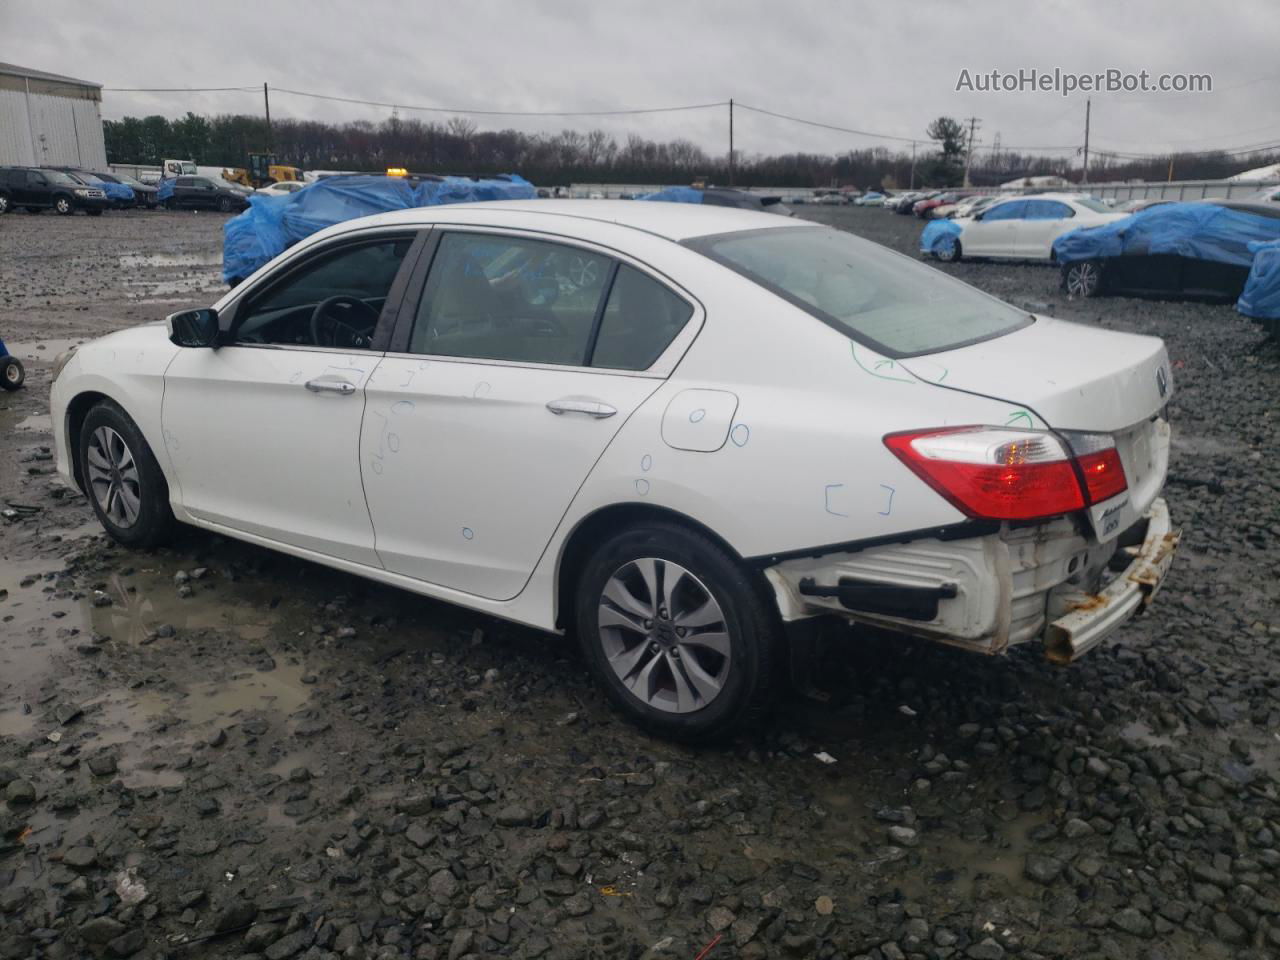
882	67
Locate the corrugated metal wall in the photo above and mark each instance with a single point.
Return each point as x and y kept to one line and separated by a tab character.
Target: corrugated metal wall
60	131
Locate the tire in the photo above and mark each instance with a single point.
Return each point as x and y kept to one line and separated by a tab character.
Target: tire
128	492
722	687
224	204
12	374
64	206
171	204
948	250
5	206
1082	278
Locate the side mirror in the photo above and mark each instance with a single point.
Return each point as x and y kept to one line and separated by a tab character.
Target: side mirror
193	328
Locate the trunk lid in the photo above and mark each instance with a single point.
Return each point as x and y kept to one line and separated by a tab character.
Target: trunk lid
1075	378
1071	376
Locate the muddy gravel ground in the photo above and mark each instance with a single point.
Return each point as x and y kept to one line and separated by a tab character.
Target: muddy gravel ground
216	751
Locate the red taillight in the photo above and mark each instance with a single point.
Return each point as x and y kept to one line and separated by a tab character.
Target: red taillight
1103	474
997	473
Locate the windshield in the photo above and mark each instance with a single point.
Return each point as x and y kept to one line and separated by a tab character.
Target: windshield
57	176
87	177
1092	203
869	293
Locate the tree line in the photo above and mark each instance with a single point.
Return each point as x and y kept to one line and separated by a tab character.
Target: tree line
458	146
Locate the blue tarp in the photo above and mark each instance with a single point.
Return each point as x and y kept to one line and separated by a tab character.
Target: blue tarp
1261	296
674	195
273	224
937	235
1202	231
164	189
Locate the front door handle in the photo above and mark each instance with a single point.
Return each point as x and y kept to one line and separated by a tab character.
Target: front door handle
323	385
592	408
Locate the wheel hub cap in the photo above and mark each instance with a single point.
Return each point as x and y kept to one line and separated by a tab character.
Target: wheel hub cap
114	478
664	635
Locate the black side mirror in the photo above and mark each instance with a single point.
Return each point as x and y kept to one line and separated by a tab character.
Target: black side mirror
193	328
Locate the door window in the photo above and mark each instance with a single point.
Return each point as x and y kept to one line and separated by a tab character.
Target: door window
508	298
1047	210
334	300
640	320
1013	210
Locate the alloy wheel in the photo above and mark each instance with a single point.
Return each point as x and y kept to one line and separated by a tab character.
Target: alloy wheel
664	635
113	476
1082	280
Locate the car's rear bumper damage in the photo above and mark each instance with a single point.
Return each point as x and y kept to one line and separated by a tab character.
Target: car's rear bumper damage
986	593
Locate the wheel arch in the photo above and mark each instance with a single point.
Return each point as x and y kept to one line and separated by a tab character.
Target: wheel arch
589	530
77	409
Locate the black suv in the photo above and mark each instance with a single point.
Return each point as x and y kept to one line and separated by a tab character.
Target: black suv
204	193
34	189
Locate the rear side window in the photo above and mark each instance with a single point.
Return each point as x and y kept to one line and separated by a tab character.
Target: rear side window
1047	210
640	321
869	293
185	181
1013	210
493	297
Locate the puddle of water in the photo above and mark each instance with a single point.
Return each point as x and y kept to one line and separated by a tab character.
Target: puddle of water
130	260
29	640
1141	733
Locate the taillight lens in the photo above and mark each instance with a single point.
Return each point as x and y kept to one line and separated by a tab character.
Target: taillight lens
997	473
1099	463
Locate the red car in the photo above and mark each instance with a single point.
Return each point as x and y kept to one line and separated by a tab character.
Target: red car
921	208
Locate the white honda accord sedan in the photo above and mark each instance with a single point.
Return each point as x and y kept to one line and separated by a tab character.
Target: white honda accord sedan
673	430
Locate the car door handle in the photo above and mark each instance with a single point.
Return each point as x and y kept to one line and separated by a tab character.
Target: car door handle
340	387
592	408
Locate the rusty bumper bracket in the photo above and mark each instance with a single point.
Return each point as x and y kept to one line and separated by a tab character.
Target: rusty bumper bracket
1096	616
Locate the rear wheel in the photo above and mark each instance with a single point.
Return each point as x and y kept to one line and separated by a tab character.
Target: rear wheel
64	206
4	203
224	204
677	632
1082	279
12	373
122	479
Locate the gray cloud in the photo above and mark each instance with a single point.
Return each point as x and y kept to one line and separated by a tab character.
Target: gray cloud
888	68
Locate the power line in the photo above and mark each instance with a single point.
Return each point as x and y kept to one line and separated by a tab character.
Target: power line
179	89
827	126
503	113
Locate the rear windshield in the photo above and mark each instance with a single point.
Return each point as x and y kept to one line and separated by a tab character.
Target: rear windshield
871	294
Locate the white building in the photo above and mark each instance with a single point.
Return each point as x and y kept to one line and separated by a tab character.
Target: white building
47	120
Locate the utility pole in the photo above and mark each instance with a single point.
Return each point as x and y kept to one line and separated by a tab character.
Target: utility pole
968	157
266	102
1170	168
1084	176
731	164
913	165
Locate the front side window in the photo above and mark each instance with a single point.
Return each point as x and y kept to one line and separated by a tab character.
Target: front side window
1094	204
640	320
1047	210
185	182
496	297
333	300
872	295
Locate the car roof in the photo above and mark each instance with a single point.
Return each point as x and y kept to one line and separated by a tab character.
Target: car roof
673	221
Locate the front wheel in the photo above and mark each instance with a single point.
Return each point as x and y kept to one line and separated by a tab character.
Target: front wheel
677	632
122	479
224	204
947	249
64	206
12	373
4	204
1082	279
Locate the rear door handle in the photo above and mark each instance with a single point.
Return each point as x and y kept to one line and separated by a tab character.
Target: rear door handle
331	385
592	408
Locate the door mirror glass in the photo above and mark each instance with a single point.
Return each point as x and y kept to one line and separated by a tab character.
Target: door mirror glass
193	328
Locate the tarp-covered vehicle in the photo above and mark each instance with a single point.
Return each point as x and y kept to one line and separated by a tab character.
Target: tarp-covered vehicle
1208	249
719	197
273	224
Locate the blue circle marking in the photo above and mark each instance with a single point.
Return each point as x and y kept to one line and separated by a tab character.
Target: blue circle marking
740	435
468	533
696	416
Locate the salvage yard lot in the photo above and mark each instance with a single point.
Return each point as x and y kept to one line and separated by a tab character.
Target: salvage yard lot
300	760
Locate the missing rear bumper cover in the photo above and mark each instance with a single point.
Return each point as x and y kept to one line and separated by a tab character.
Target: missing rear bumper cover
894	600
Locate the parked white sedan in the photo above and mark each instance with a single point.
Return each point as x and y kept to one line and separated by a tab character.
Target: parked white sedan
1024	228
674	430
281	188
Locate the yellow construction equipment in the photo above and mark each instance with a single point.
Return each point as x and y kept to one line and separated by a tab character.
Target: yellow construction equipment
262	170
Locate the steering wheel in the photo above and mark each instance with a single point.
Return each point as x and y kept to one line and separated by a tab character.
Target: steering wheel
357	337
